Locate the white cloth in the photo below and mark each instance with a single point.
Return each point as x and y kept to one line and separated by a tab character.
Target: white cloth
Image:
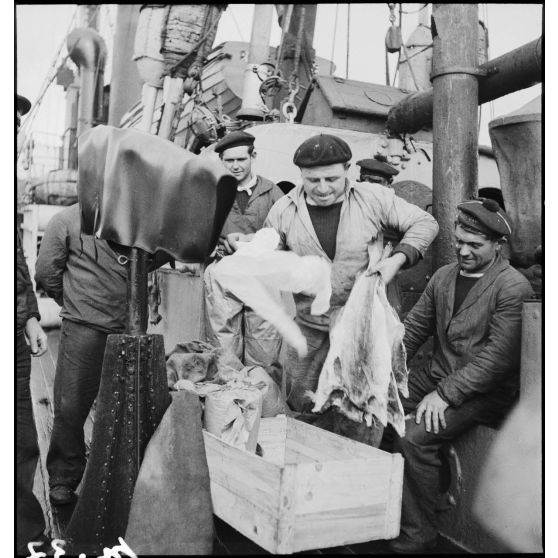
256	273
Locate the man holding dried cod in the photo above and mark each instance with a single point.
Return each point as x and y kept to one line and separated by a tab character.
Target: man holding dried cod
343	222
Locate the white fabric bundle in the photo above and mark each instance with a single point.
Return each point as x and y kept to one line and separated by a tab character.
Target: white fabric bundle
256	273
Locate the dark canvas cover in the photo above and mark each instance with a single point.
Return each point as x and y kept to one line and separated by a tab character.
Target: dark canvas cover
139	190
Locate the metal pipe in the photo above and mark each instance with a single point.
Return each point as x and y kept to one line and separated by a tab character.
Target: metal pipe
136	297
87	50
455	102
513	71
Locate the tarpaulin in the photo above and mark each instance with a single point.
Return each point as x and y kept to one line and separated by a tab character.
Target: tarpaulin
142	191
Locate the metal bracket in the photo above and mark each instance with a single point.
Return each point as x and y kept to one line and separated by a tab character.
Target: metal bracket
473	71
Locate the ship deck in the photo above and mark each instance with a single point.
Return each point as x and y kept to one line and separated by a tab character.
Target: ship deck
227	542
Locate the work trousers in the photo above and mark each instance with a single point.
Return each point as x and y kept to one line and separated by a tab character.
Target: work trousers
30	522
78	375
234	326
303	374
421	451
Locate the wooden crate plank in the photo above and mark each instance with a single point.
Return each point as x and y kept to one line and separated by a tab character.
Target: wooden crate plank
332	446
287	497
243	473
299	453
254	522
339	527
272	438
339	485
395	494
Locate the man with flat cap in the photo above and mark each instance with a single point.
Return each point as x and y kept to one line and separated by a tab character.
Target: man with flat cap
30	340
340	220
472	308
374	171
231	324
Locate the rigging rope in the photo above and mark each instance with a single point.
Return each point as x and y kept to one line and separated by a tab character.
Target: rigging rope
334	35
348	38
285	24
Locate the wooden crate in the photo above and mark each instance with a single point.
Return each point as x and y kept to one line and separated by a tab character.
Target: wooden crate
311	489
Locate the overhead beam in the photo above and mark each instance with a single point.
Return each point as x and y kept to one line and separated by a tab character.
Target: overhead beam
513	71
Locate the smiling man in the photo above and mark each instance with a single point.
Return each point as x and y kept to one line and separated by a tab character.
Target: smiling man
231	324
340	220
472	308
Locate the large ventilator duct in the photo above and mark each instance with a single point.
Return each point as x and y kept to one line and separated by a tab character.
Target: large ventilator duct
87	50
516	139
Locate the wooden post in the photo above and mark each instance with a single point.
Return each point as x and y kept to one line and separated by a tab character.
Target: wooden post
136	300
455	119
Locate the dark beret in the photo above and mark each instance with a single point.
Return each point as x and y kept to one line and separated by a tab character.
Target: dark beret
320	150
23	104
484	215
376	167
234	139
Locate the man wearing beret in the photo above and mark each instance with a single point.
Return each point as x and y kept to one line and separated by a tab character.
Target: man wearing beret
378	172
472	308
340	220
30	340
231	324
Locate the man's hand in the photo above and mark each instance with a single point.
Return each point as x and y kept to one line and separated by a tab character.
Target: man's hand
387	268
36	336
232	239
432	407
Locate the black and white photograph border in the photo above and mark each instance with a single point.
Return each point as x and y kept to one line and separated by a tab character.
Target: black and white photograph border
338	70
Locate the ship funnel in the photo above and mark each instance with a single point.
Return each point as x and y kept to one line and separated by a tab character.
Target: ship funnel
516	140
87	50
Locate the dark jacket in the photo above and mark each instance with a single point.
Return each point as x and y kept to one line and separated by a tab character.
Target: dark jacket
477	350
26	301
82	274
264	195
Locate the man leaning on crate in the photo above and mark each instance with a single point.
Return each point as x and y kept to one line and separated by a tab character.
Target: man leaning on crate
472	308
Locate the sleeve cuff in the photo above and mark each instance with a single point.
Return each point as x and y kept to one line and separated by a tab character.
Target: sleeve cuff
34	315
410	252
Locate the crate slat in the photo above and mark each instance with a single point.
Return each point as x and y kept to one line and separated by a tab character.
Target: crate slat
311	489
